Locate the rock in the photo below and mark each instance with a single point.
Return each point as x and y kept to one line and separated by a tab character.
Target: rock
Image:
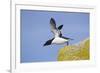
78	51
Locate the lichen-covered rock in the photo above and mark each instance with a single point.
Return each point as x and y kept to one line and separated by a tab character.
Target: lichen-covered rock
75	52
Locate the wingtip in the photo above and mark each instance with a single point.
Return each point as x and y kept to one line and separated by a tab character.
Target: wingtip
52	18
60	27
71	39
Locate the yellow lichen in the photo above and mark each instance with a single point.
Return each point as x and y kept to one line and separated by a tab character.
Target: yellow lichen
75	52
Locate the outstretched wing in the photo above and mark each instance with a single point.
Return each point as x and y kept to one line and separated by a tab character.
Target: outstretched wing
55	30
53	26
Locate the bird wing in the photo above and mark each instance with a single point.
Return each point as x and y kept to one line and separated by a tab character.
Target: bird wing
53	26
54	29
60	27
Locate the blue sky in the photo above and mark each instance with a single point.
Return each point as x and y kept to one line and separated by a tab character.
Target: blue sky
35	31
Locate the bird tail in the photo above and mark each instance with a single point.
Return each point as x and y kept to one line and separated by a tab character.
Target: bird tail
67	38
71	39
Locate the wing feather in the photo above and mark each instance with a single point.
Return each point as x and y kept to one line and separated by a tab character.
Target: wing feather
53	26
54	29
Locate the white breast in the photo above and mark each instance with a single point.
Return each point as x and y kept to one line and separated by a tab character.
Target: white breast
59	40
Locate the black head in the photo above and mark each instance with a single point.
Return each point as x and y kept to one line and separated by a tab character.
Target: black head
48	42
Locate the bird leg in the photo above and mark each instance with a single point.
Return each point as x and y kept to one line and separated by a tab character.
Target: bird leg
67	43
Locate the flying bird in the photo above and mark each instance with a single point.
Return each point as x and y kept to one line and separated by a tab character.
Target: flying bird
58	38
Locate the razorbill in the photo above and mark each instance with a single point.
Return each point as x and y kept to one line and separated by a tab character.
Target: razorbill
58	38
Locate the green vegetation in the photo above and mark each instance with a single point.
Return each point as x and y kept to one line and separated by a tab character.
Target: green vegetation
75	52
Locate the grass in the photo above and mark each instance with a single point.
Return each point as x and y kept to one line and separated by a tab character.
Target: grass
75	52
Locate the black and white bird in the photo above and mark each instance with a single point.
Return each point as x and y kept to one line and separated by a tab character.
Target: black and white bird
58	38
